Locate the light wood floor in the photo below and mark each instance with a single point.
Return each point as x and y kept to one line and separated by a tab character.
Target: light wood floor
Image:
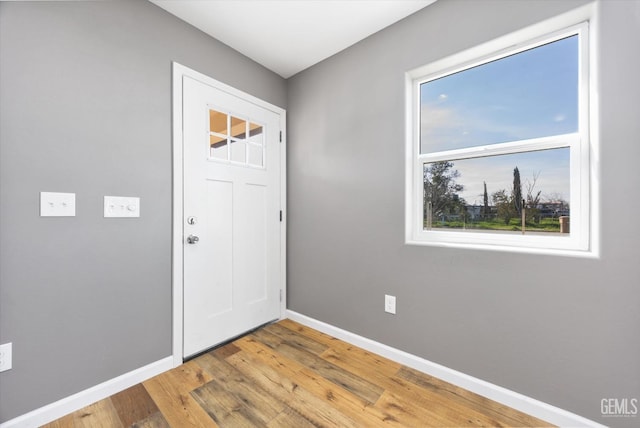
288	375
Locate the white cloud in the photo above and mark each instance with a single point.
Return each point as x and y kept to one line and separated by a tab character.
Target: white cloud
444	128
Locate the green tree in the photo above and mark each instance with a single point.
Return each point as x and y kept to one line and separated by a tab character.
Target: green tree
441	190
485	200
516	194
504	205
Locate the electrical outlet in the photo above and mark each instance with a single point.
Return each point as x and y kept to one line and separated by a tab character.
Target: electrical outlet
5	356
390	304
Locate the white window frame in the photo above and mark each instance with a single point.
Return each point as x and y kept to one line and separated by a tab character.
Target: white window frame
583	239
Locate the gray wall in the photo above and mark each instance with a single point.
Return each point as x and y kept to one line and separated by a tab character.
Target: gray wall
559	329
85	107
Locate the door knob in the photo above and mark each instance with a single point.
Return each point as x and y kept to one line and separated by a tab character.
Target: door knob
192	239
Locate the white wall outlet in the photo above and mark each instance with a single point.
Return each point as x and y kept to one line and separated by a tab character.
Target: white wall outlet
5	356
57	204
390	304
121	206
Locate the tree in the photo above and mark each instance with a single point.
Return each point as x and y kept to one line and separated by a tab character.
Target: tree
485	200
533	199
441	190
516	194
504	205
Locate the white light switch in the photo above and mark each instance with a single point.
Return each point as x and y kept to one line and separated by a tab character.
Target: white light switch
57	204
390	304
121	206
5	356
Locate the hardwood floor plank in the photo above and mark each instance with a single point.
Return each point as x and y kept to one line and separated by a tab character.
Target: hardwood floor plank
267	338
289	418
295	339
362	363
99	414
260	352
359	386
457	413
471	400
346	379
231	391
224	408
295	351
64	422
226	350
156	420
133	404
171	393
316	335
286	389
378	370
337	351
408	413
346	355
353	406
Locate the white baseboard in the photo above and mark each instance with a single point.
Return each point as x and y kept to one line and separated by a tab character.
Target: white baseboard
74	402
496	393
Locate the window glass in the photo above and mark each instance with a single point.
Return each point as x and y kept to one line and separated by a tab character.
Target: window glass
526	95
255	132
237	140
217	122
238	128
218	147
255	155
238	151
486	194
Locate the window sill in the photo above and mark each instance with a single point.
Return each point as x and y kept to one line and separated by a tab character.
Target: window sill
590	254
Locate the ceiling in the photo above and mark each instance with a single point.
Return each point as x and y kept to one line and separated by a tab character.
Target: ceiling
287	36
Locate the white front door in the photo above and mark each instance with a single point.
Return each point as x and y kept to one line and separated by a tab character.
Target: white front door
231	215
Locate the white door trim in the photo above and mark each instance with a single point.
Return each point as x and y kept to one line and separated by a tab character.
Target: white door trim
179	72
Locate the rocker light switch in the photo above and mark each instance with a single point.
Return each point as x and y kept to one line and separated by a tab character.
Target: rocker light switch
57	204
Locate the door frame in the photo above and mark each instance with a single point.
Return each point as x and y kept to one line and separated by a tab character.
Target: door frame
179	72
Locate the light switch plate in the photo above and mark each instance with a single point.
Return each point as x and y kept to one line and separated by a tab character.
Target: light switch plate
54	204
121	206
5	356
390	304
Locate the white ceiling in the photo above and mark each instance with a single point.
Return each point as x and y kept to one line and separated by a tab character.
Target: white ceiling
287	36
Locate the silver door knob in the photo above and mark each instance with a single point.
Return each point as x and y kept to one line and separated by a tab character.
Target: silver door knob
192	239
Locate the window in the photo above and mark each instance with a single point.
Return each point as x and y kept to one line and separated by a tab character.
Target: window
235	140
499	146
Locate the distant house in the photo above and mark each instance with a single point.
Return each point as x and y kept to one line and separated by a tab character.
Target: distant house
553	209
474	212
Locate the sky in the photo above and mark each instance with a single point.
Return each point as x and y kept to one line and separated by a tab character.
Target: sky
528	95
